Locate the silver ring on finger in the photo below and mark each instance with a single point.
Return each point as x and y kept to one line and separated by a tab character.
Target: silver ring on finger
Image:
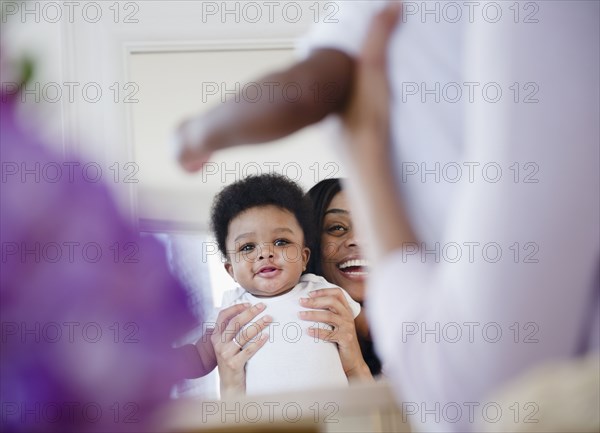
237	343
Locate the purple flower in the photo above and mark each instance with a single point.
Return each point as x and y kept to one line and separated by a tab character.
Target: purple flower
89	310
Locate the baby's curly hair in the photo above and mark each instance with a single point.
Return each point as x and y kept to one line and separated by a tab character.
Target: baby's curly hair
256	191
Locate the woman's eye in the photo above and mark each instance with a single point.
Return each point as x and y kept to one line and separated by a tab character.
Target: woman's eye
281	243
337	229
247	247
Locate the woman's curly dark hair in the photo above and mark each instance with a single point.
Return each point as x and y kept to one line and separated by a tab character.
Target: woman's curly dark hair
320	196
256	191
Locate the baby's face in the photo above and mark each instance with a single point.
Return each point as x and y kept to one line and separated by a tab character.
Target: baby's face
265	250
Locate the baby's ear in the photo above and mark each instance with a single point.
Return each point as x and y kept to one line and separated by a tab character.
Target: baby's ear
305	257
229	269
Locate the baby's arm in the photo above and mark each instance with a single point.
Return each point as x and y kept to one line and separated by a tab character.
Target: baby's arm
325	80
205	349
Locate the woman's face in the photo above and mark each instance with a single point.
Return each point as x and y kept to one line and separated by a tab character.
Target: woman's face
342	262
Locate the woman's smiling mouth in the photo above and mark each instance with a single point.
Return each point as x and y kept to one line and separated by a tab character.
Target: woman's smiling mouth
354	268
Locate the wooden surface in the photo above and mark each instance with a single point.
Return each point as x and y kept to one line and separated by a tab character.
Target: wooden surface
358	408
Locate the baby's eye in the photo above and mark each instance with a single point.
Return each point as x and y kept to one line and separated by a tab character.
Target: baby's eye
246	248
281	242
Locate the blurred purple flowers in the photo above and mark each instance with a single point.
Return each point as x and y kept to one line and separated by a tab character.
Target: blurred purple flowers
89	310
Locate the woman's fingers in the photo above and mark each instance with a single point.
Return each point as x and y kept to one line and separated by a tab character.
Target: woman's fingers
231	322
250	332
374	50
321	316
190	143
342	335
251	348
238	359
333	291
322	334
238	321
335	303
227	314
235	343
368	109
332	308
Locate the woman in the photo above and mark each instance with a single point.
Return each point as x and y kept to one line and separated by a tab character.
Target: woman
337	257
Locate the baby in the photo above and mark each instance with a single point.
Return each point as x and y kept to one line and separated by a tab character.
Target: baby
261	224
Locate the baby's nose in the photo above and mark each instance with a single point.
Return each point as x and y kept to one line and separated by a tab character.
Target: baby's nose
266	250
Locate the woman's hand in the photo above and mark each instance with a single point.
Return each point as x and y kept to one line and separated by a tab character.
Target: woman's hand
232	355
366	117
196	139
377	203
337	313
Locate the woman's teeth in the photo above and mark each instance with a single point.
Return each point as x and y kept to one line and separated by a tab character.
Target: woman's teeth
354	267
352	263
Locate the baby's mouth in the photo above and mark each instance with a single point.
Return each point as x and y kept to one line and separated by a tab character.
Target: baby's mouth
267	271
354	267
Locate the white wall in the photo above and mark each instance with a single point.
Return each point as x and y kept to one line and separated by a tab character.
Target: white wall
174	85
159	53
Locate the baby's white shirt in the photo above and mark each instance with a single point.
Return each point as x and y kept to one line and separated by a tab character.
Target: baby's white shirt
291	360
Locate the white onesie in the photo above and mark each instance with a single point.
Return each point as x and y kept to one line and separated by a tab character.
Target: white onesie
291	360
